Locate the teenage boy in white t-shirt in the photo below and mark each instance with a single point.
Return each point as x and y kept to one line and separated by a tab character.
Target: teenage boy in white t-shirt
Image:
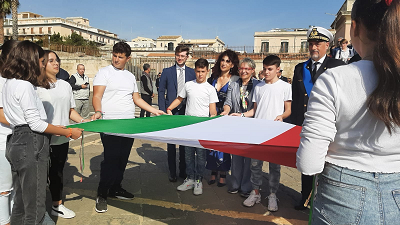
201	98
115	94
272	101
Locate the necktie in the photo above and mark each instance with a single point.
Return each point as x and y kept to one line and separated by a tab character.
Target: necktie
314	71
181	80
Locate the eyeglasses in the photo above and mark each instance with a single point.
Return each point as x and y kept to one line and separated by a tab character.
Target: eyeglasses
245	69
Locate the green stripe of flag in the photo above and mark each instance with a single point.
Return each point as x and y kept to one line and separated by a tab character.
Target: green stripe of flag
140	125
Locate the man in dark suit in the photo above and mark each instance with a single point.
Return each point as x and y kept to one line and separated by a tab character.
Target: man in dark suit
173	80
305	75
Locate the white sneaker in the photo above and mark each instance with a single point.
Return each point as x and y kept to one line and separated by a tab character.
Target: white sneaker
198	188
62	211
47	220
252	199
186	185
272	203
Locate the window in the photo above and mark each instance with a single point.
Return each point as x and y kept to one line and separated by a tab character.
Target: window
161	45
284	47
49	30
40	30
32	31
304	46
170	46
264	46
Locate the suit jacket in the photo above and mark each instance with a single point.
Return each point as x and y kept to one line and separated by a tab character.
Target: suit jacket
299	94
169	84
233	96
284	79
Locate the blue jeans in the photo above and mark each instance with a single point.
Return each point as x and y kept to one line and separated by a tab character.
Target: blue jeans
240	174
256	175
346	196
195	162
28	153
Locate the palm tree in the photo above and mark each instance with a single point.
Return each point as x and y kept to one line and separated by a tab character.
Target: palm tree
14	10
5	9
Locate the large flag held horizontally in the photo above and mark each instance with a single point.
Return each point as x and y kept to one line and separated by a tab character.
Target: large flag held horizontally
271	141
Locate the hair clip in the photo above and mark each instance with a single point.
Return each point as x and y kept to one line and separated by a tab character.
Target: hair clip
388	2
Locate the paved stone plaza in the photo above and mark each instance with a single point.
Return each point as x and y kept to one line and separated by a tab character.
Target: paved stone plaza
156	199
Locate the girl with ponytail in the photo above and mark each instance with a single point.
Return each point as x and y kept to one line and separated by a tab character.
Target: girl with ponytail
351	130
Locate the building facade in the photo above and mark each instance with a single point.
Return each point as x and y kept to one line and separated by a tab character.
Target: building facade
281	41
32	26
342	21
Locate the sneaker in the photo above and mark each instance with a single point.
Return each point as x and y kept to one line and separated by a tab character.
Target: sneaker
272	203
198	188
186	185
62	211
233	191
121	194
101	204
47	220
252	199
245	194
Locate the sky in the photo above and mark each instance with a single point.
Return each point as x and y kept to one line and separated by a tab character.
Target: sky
234	22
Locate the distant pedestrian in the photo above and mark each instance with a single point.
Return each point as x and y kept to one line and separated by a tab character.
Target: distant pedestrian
201	98
146	88
282	77
80	87
158	81
344	53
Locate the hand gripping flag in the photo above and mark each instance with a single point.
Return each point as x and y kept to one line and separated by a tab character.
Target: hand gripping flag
266	140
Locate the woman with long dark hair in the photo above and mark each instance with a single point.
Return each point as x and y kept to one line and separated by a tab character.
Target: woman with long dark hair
6	184
28	146
351	129
59	103
225	72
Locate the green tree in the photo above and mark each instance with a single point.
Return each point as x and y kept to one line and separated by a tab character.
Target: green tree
56	39
5	9
75	39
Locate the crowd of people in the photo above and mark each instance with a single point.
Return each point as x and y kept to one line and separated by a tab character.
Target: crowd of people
348	155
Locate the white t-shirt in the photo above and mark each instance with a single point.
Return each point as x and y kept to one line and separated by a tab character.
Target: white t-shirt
4	130
57	102
271	98
117	101
23	106
199	97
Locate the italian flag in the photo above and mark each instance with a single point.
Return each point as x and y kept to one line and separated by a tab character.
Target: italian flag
266	140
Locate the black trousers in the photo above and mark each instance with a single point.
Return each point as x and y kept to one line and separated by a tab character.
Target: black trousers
146	98
171	149
58	157
306	186
112	168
